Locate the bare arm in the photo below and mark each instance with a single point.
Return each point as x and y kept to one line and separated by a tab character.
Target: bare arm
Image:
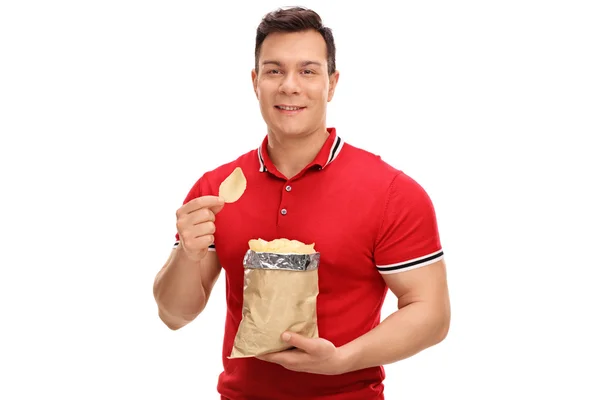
422	320
183	286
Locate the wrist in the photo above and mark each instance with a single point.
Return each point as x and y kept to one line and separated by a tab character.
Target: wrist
348	356
187	256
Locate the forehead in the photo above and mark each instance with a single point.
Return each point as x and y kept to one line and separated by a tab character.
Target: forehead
290	47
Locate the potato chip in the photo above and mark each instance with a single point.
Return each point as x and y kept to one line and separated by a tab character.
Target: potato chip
281	246
233	187
257	245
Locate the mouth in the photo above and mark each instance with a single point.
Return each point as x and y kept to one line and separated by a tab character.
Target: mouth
286	109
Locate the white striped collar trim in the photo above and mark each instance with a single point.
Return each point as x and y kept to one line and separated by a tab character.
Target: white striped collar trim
261	162
335	151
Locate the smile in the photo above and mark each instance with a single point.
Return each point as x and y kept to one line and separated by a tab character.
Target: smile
290	109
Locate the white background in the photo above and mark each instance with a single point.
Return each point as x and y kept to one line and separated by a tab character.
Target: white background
109	112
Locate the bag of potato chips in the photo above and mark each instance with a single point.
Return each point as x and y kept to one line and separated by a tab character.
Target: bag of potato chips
280	294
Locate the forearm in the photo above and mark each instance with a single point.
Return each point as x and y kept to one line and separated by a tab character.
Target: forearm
403	334
179	290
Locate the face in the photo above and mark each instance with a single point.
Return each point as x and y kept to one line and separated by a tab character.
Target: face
292	84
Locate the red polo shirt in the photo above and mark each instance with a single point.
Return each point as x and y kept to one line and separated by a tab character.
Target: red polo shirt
365	217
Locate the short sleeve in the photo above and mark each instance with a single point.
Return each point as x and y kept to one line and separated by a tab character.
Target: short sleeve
408	236
196	191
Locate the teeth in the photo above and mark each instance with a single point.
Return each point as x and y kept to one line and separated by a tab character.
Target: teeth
289	108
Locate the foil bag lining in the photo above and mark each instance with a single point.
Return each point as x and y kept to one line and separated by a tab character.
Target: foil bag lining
290	262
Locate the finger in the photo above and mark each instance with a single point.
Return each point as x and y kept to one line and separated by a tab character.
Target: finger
275	358
203	229
286	357
187	232
311	346
218	208
196	225
202	202
199	216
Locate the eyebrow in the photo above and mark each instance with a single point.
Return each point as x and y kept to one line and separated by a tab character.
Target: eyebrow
302	63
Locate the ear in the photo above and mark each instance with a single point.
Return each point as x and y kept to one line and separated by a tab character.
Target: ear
333	80
255	82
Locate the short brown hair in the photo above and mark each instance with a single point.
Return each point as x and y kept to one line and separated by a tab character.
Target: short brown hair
294	19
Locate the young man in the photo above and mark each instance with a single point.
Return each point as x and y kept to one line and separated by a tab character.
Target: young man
374	226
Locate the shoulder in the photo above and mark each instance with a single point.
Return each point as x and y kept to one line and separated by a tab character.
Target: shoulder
379	177
369	167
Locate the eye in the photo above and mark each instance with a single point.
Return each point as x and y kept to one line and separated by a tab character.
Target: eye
273	71
308	72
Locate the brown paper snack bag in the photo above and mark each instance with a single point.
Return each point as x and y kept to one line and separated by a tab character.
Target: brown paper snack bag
280	294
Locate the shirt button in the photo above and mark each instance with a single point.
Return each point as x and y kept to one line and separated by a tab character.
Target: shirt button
283	211
288	188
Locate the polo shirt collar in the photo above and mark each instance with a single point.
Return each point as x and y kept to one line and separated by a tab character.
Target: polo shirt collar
328	153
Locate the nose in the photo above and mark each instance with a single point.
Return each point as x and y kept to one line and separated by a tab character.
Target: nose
289	85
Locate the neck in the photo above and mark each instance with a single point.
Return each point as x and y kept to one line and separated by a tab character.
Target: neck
292	154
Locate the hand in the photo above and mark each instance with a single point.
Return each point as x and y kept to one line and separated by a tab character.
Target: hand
317	356
196	225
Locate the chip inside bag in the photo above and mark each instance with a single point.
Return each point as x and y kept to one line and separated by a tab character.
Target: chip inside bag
280	294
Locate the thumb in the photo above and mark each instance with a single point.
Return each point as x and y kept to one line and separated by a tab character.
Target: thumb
217	208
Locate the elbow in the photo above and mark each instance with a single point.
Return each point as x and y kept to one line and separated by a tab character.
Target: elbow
174	314
442	331
175	321
172	325
172	322
442	325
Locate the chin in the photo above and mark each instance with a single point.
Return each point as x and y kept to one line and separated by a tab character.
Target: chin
292	131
